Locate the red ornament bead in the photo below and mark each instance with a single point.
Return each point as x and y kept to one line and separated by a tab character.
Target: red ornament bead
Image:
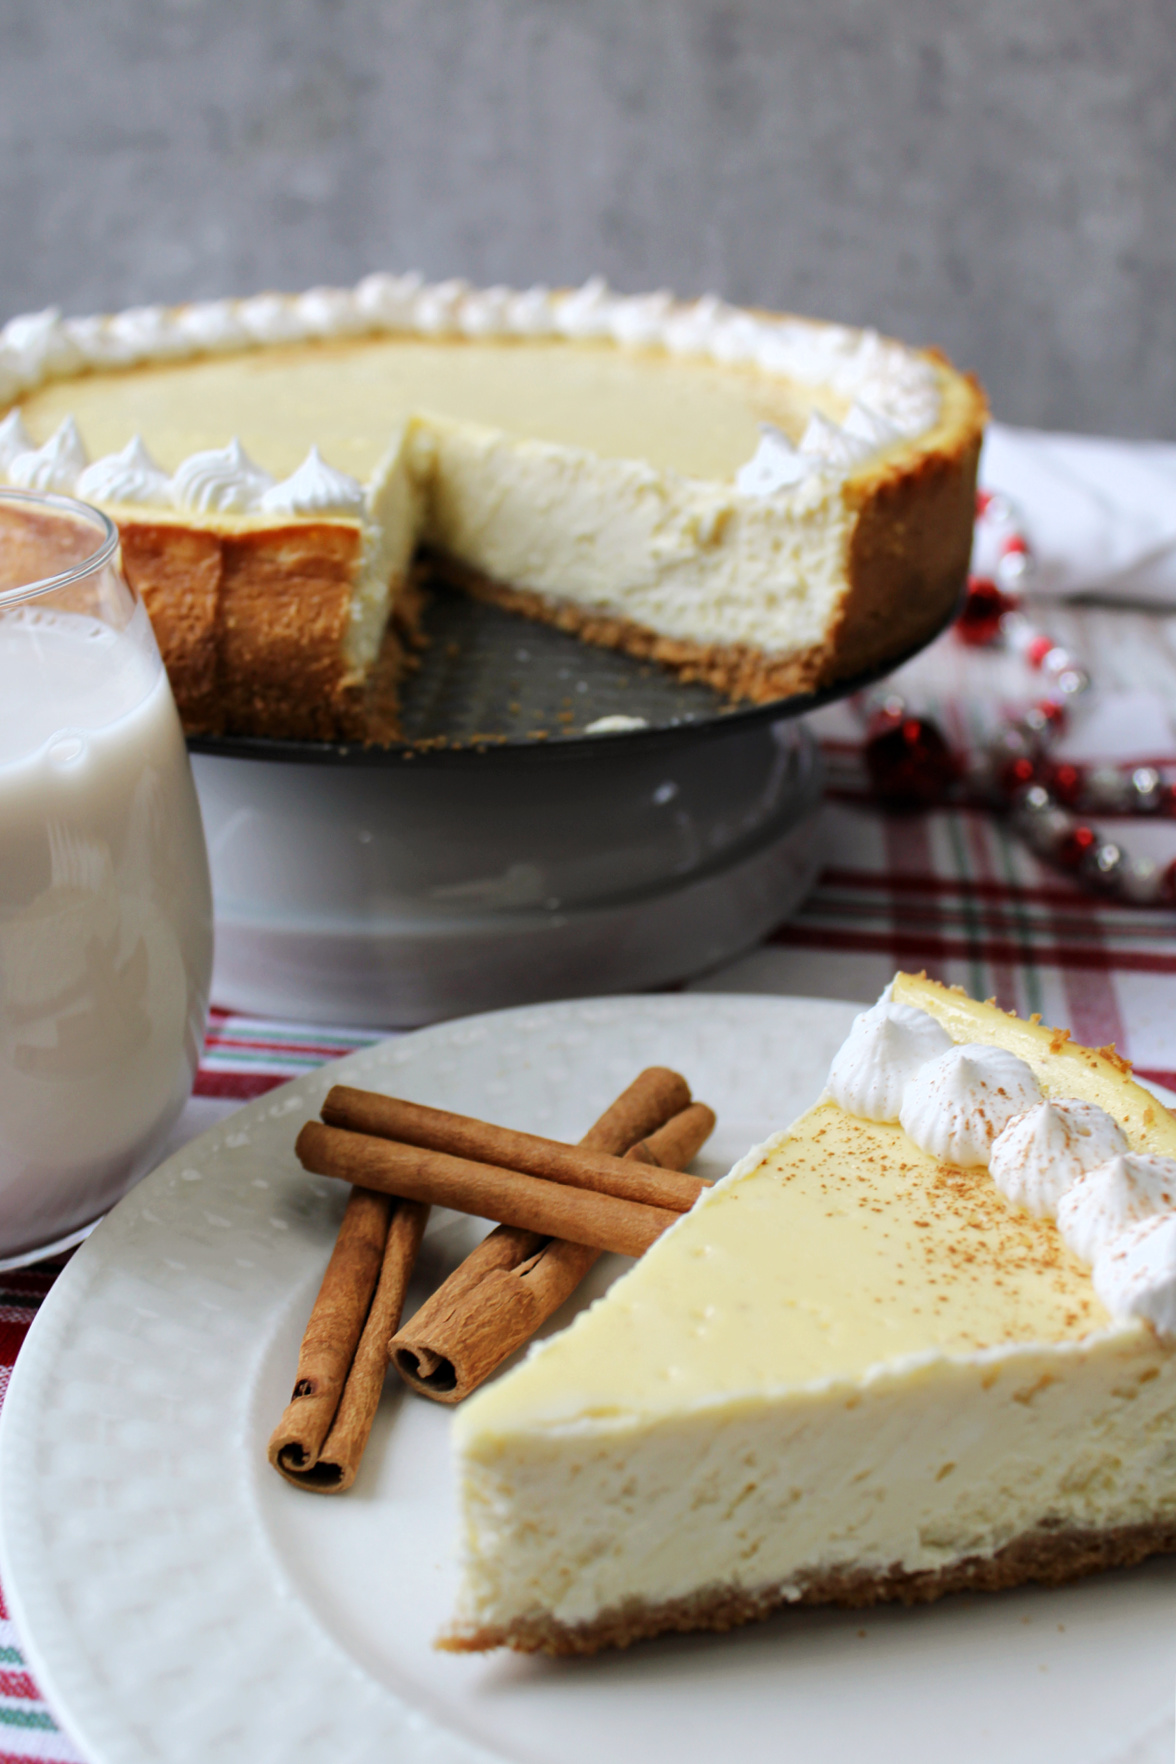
984	607
1074	847
1065	783
1053	712
1017	774
983	502
1036	652
910	763
1014	546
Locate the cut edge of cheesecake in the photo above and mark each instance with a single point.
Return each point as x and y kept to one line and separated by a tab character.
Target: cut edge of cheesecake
903	536
1114	1358
928	505
303	627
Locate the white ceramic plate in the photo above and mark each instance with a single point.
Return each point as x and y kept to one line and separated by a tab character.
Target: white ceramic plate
180	1603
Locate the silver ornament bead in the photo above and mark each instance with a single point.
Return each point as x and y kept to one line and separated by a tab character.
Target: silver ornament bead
1107	788
1141	880
1014	569
1147	789
1105	862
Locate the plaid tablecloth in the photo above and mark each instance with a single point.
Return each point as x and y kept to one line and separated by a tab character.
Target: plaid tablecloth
951	892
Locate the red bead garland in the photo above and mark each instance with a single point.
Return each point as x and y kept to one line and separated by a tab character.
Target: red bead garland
911	765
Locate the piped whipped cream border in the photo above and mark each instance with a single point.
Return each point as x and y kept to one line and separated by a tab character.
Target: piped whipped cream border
894	391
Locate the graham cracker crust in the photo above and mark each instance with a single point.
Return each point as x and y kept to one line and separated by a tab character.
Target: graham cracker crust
1049	1557
741	673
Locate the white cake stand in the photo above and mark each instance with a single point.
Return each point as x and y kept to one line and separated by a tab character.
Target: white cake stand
398	895
505	853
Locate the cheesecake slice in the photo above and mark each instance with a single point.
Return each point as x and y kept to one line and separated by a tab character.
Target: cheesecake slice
856	1371
766	503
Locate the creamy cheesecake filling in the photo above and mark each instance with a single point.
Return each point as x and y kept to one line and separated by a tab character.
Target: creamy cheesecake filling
850	1357
393	525
695	419
911	1466
683	557
835	1246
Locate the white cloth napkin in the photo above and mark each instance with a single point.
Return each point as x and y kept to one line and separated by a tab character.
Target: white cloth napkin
1100	515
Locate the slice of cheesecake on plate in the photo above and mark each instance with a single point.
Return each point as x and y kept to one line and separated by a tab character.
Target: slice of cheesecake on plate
868	1365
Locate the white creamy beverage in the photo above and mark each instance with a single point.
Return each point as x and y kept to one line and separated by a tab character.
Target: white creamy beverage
105	917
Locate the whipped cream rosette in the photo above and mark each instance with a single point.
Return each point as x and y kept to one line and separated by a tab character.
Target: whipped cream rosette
886	1046
954	1107
1135	1275
55	466
315	488
1107	1201
1040	1153
131	475
221	480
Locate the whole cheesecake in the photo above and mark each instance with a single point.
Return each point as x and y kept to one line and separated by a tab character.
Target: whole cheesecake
866	1366
766	503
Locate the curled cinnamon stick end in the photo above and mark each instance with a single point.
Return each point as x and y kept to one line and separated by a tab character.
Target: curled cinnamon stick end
514	1280
461	1329
333	1332
339	1459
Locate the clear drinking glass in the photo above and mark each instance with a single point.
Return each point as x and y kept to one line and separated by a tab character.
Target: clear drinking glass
105	909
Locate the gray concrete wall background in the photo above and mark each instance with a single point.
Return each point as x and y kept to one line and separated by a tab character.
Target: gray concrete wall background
997	176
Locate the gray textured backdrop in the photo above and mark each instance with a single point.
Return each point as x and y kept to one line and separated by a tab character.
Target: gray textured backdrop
997	176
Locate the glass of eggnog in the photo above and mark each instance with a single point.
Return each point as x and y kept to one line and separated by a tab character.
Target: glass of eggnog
105	911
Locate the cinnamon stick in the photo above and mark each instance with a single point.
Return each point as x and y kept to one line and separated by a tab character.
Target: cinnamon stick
479	1315
407	1123
654	1096
321	1437
515	1280
679	1141
333	1332
339	1459
551	1208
